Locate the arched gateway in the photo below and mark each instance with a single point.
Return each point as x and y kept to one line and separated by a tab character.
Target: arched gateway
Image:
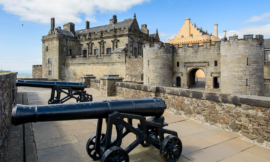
196	78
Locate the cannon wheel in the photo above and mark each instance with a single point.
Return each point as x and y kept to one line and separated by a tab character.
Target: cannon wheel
115	154
171	148
90	147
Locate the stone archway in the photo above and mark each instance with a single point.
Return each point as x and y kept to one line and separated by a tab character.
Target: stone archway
196	78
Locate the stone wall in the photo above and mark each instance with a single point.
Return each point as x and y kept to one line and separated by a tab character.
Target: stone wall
248	115
134	69
267	87
37	71
95	84
8	92
113	64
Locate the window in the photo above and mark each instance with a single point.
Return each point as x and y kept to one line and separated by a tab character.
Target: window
108	50
50	72
216	82
191	35
142	77
135	52
182	36
215	63
177	64
49	61
69	52
64	49
47	48
246	82
268	57
95	51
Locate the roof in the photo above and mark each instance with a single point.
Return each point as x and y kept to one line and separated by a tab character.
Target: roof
122	24
152	35
65	32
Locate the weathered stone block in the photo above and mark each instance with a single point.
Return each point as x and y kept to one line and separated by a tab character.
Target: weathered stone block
212	97
197	94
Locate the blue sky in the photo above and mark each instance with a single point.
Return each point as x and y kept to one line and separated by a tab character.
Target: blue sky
21	45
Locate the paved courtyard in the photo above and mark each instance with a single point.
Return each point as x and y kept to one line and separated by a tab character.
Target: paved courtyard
65	141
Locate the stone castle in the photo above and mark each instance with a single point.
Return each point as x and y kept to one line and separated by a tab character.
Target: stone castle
236	66
115	48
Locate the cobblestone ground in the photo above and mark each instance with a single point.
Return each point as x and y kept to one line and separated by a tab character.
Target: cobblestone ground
64	141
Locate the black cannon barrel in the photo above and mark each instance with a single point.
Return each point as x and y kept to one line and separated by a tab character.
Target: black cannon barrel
91	110
50	84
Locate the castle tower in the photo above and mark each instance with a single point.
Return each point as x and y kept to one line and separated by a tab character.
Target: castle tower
157	63
242	64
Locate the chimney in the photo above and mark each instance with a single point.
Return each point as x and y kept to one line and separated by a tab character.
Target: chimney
87	25
113	20
216	30
187	21
224	33
144	29
52	23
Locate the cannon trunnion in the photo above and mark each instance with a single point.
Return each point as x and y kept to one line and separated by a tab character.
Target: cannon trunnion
70	89
118	113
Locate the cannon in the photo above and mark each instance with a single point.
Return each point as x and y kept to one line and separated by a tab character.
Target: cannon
70	89
117	113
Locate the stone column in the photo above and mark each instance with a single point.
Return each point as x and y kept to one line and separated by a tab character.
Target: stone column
86	79
216	30
107	84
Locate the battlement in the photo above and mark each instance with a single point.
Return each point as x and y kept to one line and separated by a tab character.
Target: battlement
167	48
248	37
185	47
37	65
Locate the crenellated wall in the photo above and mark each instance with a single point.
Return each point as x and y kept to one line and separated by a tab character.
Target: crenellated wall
8	93
95	83
244	114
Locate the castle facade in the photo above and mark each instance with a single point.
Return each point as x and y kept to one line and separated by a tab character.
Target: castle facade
233	66
112	49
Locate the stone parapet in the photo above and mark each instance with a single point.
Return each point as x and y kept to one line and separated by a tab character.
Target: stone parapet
245	114
107	86
94	83
8	93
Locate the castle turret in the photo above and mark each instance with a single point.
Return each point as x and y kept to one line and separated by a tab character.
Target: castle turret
157	63
242	62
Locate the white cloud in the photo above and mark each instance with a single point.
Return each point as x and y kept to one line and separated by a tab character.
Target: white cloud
263	30
64	10
165	36
262	17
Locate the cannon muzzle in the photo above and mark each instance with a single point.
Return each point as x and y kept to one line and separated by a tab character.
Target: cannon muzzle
88	110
